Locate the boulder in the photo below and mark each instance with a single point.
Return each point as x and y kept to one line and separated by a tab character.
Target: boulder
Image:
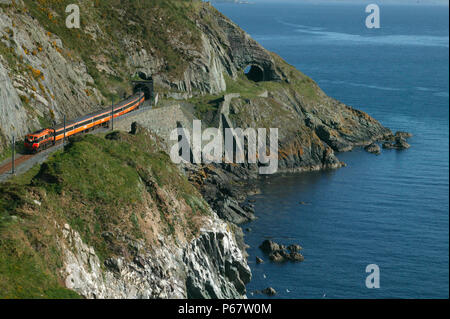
401	144
269	291
294	248
294	256
373	148
403	135
277	257
399	141
280	253
269	246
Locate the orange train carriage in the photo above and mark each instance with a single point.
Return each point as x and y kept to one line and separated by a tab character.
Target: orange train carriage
47	137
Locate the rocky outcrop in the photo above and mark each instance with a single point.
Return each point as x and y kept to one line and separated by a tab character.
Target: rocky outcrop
40	82
373	148
397	141
45	75
279	253
221	186
211	266
155	275
241	50
14	120
57	77
216	267
269	291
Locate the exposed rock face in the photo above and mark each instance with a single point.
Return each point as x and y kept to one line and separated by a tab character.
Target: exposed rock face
220	188
160	258
241	49
314	126
13	116
154	275
216	267
42	79
211	266
64	80
48	82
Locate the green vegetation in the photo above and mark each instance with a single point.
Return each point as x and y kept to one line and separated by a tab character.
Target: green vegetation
97	184
28	258
25	274
207	105
160	25
244	86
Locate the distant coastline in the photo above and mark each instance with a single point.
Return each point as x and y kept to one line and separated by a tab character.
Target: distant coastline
232	1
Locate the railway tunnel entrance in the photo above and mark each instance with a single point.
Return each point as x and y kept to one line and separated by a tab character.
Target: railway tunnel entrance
145	86
254	73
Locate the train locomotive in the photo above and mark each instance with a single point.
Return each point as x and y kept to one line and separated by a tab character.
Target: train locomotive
47	137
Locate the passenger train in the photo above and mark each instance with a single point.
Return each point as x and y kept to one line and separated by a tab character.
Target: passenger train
47	137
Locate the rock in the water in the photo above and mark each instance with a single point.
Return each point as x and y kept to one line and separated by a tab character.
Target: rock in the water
294	248
259	260
373	148
269	246
269	291
294	256
388	145
401	144
399	141
277	257
279	253
403	135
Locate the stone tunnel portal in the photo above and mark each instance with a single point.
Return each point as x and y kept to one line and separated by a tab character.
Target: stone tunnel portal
254	72
145	86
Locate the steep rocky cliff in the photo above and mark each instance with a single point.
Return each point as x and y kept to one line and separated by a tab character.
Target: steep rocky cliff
112	217
145	231
192	52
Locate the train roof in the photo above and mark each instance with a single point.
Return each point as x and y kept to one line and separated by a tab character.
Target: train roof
41	131
99	112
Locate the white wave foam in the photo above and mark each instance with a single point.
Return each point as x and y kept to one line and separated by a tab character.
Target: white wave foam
441	94
376	87
398	39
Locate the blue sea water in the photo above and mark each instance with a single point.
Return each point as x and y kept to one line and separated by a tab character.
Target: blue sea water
391	210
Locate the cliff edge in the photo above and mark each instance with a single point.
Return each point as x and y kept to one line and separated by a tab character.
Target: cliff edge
111	216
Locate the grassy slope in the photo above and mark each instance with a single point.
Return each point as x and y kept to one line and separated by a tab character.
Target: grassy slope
96	185
159	22
301	85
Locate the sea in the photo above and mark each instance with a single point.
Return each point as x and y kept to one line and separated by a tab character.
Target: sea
390	210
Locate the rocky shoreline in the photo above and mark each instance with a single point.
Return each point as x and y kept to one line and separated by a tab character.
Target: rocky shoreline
227	187
201	74
396	141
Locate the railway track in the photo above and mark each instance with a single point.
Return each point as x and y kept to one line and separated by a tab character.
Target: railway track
6	168
23	162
